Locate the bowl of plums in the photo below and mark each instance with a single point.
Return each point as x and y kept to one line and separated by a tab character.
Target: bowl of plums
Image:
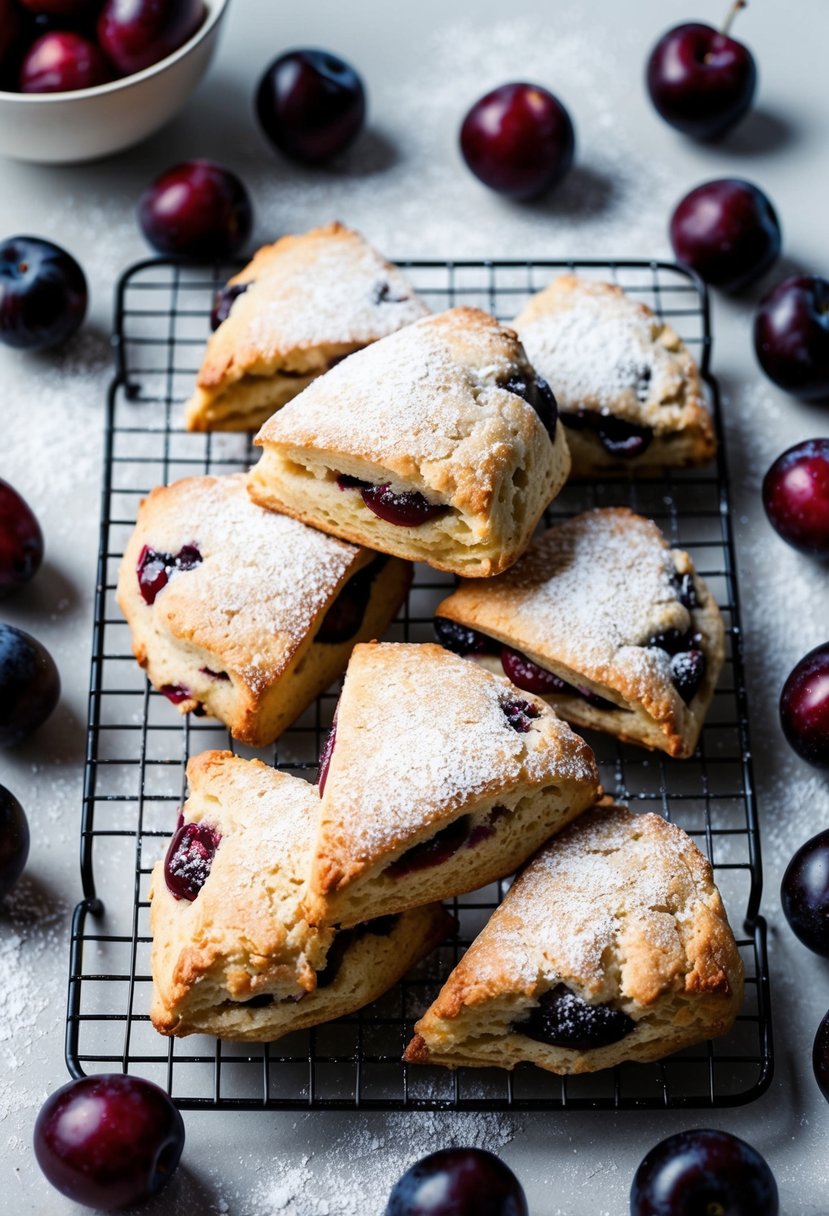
82	79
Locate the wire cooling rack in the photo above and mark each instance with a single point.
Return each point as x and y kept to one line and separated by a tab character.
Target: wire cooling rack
138	746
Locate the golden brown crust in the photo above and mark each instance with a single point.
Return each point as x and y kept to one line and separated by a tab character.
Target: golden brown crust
250	610
312	299
604	352
424	740
623	911
424	410
583	602
245	935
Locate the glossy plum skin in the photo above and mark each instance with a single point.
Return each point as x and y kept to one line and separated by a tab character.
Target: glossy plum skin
10	30
134	34
58	8
109	1141
21	540
311	105
796	497
700	81
518	140
43	294
197	209
60	62
820	1056
458	1182
727	231
29	685
804	894
804	707
791	336
701	1172
14	841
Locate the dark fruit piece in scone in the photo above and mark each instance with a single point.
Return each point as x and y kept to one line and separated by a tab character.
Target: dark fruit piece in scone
21	540
458	1182
43	294
197	209
311	105
518	140
520	714
459	638
804	707
29	685
155	568
529	676
433	852
727	231
345	616
190	858
791	336
224	301
563	1019
537	393
109	1141
796	497
705	1172
620	438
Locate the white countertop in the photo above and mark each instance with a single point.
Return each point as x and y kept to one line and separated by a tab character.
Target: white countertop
405	186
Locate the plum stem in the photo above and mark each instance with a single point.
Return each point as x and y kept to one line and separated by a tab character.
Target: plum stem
730	15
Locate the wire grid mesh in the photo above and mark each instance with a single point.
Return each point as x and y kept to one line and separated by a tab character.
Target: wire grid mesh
138	747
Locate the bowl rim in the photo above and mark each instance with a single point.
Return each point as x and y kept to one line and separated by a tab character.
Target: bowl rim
215	11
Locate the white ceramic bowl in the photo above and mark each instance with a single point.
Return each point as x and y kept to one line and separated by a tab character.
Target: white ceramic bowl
64	128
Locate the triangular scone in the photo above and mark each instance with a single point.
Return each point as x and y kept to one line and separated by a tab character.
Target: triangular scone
295	310
244	614
615	629
232	952
628	390
425	446
442	778
613	945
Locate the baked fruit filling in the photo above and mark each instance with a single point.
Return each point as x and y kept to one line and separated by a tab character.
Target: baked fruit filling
537	393
224	301
563	1019
345	616
155	569
381	926
190	858
406	509
462	833
618	437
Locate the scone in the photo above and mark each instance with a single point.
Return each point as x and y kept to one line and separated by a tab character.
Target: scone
300	306
232	952
628	390
440	778
437	444
613	945
600	617
243	614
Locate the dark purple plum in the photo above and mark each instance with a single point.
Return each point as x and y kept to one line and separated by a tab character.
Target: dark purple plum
518	140
62	61
311	105
804	893
29	685
21	540
43	294
109	1141
804	707
701	80
563	1019
458	1182
791	336
14	841
58	8
11	28
796	497
197	209
703	1172
134	34
190	858
727	231
820	1056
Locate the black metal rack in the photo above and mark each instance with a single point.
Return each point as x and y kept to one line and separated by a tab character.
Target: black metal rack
138	747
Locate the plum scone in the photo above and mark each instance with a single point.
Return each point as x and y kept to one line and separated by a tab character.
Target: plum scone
606	622
438	443
300	306
232	952
243	614
613	945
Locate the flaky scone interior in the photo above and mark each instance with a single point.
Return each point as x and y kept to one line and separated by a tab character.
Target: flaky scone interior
628	389
603	619
298	308
613	945
438	444
233	954
440	779
244	614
